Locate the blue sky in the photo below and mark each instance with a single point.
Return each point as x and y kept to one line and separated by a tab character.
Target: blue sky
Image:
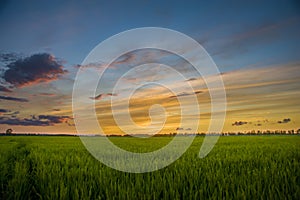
70	29
240	36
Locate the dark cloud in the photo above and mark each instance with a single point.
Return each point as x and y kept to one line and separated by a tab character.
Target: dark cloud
96	65
101	96
179	129
13	99
4	89
284	121
9	113
22	122
34	69
198	92
239	123
192	79
4	111
90	65
188	129
54	119
185	94
41	120
14	114
47	94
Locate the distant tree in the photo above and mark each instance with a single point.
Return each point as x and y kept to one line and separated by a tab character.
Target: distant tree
9	131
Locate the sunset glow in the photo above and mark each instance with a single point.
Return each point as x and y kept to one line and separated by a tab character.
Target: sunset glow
256	50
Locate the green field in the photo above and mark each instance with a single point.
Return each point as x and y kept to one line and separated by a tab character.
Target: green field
239	167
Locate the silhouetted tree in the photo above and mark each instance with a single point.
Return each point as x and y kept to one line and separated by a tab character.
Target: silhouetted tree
9	131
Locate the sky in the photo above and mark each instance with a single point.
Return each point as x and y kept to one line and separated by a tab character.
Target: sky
254	44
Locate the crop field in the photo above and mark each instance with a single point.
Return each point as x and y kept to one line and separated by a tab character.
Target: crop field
239	167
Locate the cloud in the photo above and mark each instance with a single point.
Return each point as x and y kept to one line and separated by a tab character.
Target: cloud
32	70
134	58
13	99
95	65
52	119
267	29
284	121
70	124
47	94
125	59
9	57
41	120
258	34
4	89
239	123
21	122
101	96
182	129
265	92
13	114
185	94
192	79
4	111
122	60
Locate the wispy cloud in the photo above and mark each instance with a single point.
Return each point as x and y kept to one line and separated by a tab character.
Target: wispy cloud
101	96
3	111
191	79
14	99
122	60
185	94
95	66
4	89
41	120
240	42
47	94
249	97
6	57
125	59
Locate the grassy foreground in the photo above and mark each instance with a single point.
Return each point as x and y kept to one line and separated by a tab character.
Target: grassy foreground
239	167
